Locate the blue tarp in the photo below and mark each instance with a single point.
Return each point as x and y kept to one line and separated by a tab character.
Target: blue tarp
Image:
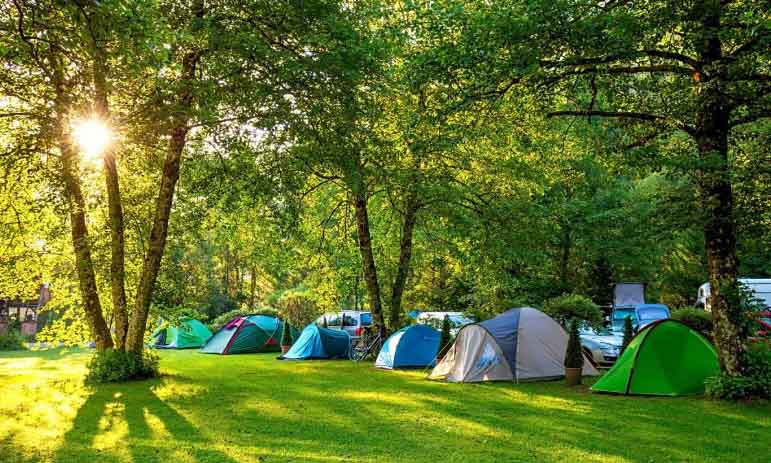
415	346
316	342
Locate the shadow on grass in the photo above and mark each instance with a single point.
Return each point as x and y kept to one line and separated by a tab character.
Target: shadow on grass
130	420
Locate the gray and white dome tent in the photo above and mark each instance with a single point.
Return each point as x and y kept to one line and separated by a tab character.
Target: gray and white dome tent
517	345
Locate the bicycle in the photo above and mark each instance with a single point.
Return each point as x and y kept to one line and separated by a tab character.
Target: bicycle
368	345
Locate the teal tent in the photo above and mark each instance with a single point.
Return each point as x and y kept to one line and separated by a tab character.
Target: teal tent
247	334
189	333
414	346
316	342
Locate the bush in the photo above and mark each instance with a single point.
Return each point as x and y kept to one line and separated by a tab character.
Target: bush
13	340
628	333
756	382
286	334
115	366
444	340
299	306
696	319
570	307
574	357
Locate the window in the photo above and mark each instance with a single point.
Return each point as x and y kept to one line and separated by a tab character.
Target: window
348	320
620	315
332	320
653	314
366	319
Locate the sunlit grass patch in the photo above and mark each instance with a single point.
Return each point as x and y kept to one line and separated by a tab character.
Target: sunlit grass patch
253	408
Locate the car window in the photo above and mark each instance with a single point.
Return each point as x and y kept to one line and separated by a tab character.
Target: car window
459	320
348	320
622	314
366	319
653	314
333	319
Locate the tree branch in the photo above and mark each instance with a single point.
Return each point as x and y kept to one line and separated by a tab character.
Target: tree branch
752	117
613	58
624	115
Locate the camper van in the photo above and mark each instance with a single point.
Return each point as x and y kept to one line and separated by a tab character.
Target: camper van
760	287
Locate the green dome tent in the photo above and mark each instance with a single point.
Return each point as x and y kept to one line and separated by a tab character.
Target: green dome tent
665	358
188	334
249	334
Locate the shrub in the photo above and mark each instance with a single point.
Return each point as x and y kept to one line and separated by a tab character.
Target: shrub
628	333
12	340
754	384
574	357
446	337
298	305
115	366
696	319
286	334
570	307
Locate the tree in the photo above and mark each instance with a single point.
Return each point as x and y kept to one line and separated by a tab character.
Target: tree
286	334
628	333
574	356
446	336
677	71
168	58
573	307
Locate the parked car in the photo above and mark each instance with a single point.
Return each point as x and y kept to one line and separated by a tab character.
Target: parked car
760	287
641	314
618	316
435	319
649	313
626	296
354	322
602	347
764	322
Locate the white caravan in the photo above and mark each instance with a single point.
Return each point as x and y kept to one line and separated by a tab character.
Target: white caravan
760	287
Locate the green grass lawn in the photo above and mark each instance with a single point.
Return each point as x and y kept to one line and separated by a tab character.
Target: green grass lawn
253	408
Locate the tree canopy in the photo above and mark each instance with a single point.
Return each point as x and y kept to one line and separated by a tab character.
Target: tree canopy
309	156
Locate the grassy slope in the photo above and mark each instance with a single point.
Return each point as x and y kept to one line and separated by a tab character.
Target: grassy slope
254	408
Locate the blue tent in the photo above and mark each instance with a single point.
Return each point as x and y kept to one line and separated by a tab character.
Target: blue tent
316	342
415	346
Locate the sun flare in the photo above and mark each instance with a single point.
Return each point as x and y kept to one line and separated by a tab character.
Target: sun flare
92	136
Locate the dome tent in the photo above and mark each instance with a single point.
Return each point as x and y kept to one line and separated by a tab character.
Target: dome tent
189	333
247	334
520	344
414	346
665	358
316	342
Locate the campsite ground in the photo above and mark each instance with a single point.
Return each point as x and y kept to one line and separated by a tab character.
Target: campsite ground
252	408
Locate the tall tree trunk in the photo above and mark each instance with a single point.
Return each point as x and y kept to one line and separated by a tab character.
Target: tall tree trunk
77	207
115	206
368	259
717	196
157	242
405	256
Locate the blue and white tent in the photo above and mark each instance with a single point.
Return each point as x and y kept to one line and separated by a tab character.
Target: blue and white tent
414	346
316	342
521	344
